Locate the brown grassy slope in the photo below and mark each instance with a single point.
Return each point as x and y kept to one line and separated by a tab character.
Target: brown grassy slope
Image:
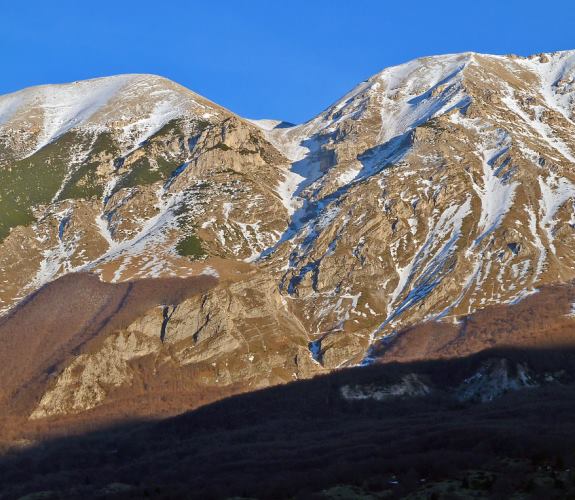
55	322
543	319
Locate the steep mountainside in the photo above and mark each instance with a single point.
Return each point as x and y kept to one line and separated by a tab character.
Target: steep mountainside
432	190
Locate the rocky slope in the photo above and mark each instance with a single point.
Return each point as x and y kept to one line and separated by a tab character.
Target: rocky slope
432	190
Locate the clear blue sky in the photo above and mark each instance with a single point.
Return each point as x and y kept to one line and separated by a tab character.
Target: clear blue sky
276	59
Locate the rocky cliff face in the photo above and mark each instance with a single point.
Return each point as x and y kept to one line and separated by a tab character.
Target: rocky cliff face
432	190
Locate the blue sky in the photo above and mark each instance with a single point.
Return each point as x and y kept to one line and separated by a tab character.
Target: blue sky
286	60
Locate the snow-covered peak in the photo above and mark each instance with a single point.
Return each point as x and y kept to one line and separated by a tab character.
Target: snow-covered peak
557	55
405	96
399	98
422	74
556	72
135	105
400	89
61	107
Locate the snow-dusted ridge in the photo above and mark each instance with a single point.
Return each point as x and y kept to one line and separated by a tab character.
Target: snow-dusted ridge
134	106
378	141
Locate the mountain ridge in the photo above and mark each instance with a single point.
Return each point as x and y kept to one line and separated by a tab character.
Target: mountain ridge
432	190
565	52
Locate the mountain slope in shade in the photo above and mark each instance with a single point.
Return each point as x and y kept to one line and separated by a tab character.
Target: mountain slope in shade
77	312
492	425
432	190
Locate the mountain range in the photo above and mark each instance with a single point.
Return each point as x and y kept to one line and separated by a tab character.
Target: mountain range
159	252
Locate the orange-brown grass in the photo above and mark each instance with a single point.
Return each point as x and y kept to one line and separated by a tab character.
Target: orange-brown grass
541	320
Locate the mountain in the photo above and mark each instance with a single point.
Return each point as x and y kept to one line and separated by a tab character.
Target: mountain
160	252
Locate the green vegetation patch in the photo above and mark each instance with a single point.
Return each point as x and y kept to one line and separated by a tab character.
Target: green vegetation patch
5	152
166	167
32	181
152	167
173	127
141	174
190	246
85	182
220	145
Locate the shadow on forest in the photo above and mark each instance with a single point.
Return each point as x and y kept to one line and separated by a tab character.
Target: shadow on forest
297	439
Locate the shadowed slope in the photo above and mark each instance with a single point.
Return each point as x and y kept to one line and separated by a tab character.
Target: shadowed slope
544	319
57	321
303	437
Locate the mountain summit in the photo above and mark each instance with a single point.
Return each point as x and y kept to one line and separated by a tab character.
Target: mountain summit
210	254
